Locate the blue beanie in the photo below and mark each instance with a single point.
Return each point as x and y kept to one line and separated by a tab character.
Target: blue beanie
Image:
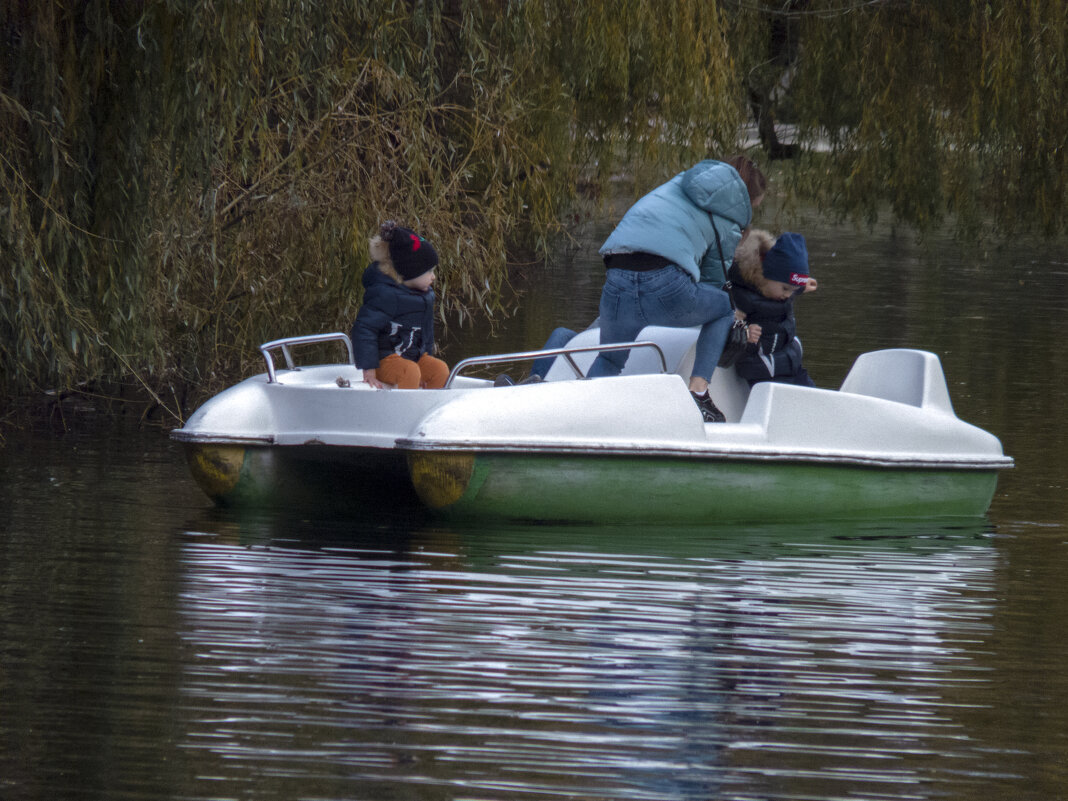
787	261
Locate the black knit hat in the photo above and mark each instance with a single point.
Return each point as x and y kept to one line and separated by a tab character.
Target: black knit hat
410	253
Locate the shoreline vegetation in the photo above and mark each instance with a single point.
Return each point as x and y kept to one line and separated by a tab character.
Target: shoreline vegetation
183	181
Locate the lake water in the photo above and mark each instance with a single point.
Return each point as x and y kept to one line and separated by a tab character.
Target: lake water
154	647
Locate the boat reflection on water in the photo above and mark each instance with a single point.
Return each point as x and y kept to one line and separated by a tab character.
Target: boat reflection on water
627	662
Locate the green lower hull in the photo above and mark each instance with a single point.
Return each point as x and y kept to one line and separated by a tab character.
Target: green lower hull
304	477
665	490
597	489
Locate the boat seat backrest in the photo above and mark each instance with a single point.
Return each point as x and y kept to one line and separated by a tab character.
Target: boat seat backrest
678	346
561	370
675	343
907	376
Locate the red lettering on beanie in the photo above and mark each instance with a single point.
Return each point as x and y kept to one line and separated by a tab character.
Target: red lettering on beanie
416	242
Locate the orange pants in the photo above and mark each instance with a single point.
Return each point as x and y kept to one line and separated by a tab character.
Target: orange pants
429	372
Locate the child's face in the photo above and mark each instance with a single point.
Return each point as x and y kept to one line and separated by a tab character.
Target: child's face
422	282
777	290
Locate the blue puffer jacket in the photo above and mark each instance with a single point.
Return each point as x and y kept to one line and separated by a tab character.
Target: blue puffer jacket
393	319
675	221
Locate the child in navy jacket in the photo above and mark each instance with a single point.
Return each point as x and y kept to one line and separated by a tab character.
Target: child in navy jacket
393	336
765	278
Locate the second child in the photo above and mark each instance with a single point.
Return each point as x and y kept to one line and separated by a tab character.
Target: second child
766	276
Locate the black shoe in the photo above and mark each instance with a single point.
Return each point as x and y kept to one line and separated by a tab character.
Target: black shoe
532	379
708	408
503	380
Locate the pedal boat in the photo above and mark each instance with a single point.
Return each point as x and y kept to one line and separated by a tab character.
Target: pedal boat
629	448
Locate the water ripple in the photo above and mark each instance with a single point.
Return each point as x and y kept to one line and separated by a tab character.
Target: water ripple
790	672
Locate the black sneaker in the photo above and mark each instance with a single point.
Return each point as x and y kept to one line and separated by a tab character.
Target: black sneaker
533	378
708	408
503	380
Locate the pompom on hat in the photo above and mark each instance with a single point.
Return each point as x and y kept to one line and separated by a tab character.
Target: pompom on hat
787	261
410	253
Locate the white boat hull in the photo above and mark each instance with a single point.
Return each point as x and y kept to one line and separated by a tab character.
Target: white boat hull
630	448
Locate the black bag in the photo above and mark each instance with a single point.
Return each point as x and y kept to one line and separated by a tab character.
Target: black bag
738	336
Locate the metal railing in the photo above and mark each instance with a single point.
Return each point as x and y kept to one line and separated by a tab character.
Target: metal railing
567	353
288	342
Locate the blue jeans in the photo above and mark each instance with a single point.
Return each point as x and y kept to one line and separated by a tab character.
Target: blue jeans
557	339
632	300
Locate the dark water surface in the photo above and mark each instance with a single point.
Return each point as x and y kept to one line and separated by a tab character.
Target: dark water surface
153	647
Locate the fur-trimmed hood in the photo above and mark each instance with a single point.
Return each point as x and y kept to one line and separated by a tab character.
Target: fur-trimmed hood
379	249
749	260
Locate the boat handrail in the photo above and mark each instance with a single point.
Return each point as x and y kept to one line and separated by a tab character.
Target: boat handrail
530	355
288	342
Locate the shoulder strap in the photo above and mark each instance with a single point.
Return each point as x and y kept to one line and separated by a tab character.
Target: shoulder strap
726	281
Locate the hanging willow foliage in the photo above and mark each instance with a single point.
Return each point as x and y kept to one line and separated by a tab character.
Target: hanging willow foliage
185	179
927	111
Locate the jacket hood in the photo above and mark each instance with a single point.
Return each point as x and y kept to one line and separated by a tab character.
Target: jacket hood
748	255
717	187
374	275
379	249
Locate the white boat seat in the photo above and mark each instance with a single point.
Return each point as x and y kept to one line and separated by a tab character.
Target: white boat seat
678	345
561	370
907	376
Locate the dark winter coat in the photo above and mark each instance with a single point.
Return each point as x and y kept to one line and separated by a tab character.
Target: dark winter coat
777	357
775	317
393	319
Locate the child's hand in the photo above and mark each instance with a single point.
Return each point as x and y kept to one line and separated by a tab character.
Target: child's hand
811	285
754	334
369	377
